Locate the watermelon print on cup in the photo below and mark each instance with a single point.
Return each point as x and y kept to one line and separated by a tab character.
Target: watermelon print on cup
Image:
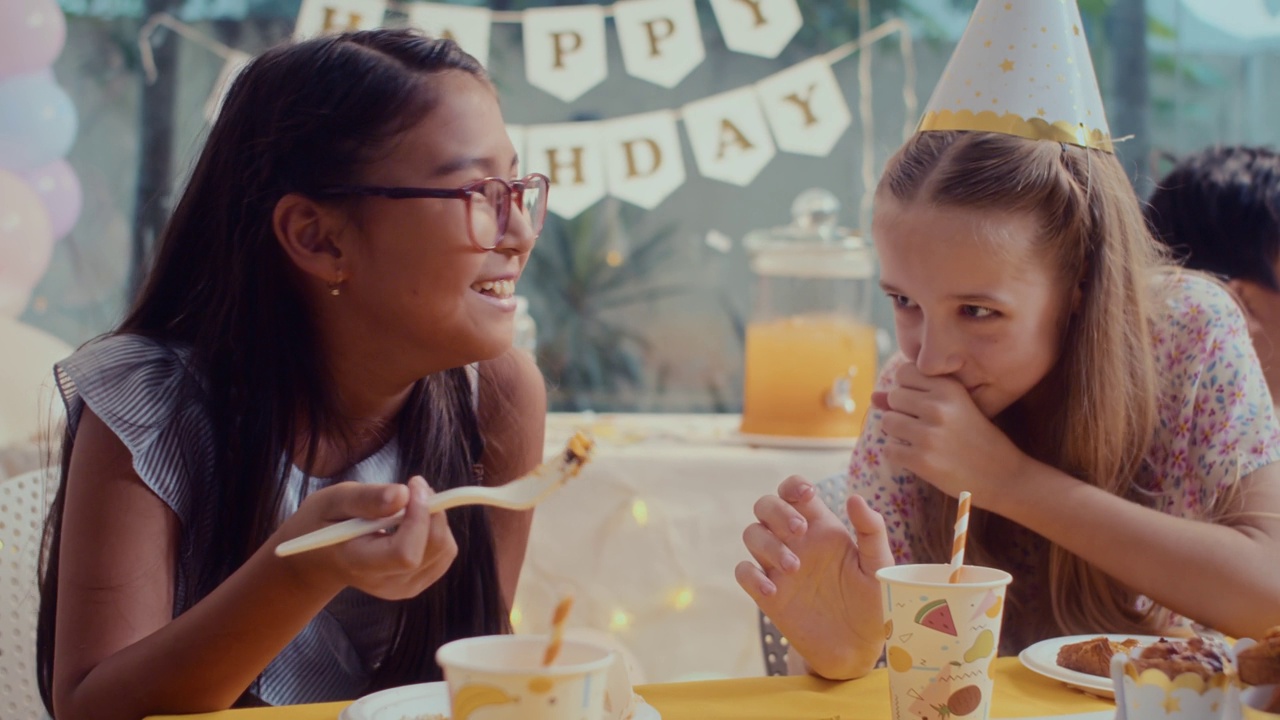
941	640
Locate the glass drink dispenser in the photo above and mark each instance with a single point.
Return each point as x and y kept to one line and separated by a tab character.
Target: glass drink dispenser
811	351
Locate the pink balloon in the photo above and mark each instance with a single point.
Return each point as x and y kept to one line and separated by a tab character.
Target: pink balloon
32	33
26	236
59	190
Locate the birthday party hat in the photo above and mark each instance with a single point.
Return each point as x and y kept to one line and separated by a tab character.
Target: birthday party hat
1022	68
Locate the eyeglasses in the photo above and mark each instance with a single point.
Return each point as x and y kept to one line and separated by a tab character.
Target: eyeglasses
488	203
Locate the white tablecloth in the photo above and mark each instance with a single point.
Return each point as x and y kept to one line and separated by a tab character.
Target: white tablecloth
646	539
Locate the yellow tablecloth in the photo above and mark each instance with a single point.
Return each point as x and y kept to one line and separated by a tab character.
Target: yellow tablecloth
1018	693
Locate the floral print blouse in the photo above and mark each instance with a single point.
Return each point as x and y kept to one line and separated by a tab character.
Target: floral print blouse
1215	425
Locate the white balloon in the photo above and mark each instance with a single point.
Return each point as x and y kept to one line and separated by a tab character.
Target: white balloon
30	407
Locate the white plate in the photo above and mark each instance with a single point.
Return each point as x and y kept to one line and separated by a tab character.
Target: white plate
411	701
1043	658
792	442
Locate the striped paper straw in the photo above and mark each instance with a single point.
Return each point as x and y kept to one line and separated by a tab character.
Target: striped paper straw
557	630
962	533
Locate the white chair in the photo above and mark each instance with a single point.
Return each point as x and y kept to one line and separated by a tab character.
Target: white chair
24	502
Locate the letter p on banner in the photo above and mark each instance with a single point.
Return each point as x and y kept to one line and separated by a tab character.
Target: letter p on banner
661	40
564	49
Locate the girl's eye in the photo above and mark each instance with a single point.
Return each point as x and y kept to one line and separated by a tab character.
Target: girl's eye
977	311
902	302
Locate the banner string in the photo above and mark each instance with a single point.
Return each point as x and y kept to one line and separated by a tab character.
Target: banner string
862	45
166	20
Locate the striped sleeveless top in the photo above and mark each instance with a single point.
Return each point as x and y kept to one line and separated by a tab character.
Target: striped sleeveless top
133	384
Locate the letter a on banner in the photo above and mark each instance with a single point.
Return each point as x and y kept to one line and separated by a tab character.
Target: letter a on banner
470	27
320	17
643	159
757	27
661	39
570	155
729	136
805	108
564	49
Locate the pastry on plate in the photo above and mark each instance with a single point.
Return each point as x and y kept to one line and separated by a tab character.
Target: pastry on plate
1093	657
1179	657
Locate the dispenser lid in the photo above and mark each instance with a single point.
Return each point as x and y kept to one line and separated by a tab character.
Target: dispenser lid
813	245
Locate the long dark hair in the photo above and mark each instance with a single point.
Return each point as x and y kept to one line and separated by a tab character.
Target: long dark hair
299	117
1219	211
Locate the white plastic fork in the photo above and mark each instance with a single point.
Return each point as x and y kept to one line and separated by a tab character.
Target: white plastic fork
520	494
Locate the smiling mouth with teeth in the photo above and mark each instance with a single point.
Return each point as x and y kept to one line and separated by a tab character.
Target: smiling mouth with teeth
496	288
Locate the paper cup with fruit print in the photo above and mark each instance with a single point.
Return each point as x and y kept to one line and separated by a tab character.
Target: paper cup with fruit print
941	638
501	677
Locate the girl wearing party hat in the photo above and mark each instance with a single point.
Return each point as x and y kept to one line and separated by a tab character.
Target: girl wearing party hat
1107	413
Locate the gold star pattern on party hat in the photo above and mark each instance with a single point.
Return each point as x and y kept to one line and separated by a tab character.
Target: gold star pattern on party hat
1022	68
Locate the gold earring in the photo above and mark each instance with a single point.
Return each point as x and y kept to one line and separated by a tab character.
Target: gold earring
335	286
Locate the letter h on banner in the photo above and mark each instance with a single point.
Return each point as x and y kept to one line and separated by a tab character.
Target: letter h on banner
320	17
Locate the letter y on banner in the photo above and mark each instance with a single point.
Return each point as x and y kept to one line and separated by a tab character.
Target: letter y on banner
564	49
470	27
757	27
319	17
805	108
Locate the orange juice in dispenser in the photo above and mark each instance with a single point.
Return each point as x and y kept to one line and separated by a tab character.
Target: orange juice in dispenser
811	349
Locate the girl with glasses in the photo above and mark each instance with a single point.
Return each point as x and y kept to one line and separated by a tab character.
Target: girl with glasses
328	322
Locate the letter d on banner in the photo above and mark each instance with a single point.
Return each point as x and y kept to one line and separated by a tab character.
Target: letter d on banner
319	17
643	159
564	50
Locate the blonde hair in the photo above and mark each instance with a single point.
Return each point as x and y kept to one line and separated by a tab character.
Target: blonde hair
1102	422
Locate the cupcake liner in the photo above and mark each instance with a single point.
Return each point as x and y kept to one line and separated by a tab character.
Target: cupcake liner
1150	694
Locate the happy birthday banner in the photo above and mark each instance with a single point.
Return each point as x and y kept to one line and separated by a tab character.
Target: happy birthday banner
565	50
637	158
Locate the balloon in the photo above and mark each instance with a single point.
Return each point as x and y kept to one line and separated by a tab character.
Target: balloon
59	190
32	33
28	399
37	122
26	242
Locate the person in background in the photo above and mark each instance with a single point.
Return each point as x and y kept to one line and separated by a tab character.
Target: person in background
1218	210
326	334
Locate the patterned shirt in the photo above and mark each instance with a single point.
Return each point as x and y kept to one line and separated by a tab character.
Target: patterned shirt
1215	423
133	385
